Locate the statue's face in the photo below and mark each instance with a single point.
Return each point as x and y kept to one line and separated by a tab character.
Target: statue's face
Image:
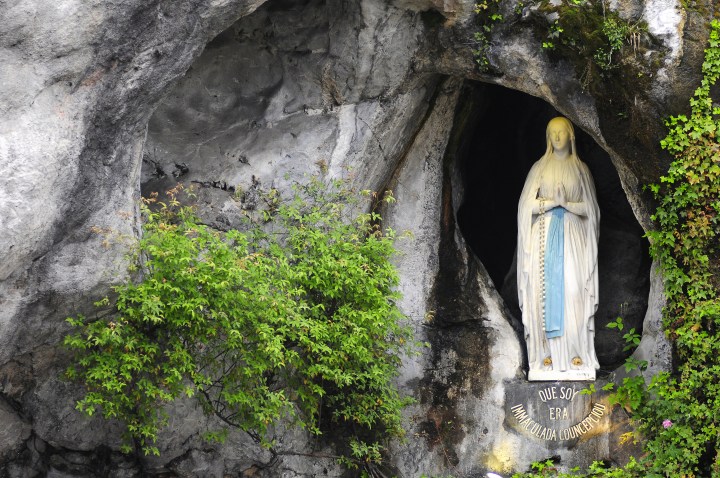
559	136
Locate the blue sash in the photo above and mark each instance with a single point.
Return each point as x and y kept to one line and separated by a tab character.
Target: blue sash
554	275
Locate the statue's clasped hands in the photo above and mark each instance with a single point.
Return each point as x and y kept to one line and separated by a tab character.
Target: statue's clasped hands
560	196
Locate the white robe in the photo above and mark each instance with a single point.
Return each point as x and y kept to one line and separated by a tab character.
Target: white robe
580	265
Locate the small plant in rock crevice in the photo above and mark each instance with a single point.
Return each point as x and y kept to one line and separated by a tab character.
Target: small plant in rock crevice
588	33
632	393
293	320
593	37
487	16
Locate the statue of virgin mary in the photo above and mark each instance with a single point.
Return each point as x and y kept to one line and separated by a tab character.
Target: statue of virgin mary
557	276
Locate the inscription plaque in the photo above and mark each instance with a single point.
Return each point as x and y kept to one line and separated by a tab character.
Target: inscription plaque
554	412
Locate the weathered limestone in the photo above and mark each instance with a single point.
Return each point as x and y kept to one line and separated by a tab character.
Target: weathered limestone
366	88
78	85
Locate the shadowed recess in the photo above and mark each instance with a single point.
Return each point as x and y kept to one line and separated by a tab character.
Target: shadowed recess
504	135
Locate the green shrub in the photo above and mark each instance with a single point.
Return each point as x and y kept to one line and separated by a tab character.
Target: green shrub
293	319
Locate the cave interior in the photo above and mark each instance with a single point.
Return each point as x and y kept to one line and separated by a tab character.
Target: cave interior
503	134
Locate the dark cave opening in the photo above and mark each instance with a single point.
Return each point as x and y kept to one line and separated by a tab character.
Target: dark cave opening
503	134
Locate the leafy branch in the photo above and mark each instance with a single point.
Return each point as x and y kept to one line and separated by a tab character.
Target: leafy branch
293	319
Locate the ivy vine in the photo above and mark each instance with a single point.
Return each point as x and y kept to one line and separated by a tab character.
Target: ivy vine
686	244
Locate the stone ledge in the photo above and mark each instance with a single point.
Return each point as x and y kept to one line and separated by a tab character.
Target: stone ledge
553	375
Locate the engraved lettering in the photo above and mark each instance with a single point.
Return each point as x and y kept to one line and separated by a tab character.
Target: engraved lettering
567	393
558	413
526	422
585	425
549	393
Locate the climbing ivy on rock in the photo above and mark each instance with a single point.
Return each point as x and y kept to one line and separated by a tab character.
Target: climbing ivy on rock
294	319
686	242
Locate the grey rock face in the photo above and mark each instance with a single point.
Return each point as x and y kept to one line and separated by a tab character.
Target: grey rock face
78	84
287	92
77	95
237	95
14	432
